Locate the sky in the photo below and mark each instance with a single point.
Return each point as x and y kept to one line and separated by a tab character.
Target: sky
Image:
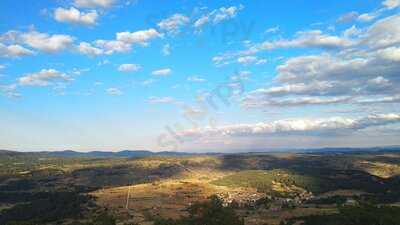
199	76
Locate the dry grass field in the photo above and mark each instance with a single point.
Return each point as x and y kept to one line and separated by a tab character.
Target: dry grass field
166	198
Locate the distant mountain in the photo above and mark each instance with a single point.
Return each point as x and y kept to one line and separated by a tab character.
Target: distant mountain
146	153
107	154
353	150
9	153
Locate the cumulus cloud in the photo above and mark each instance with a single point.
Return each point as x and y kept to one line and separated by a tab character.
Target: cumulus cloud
226	13
14	51
44	77
129	67
112	46
174	23
138	37
122	43
74	16
305	79
303	39
94	3
252	102
306	39
351	32
16	43
364	71
383	33
391	4
329	126
162	72
114	91
45	42
390	53
88	49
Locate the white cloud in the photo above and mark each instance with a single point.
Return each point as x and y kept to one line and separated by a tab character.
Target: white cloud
201	21
226	13
138	37
220	60
351	32
306	39
44	77
94	3
292	102
386	99
365	71
88	49
367	17
272	30
251	59
78	71
10	36
112	46
348	17
196	79
391	4
123	42
73	15
383	33
161	100
162	72
247	59
45	42
217	16
129	67
114	91
379	81
14	51
174	23
9	91
364	68
319	127
391	53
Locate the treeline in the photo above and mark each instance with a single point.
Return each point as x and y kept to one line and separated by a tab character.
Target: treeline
211	212
357	215
43	207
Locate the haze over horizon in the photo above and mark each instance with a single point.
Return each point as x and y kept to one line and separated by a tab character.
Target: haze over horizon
193	75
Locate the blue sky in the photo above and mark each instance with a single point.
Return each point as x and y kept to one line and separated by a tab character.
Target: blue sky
198	75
